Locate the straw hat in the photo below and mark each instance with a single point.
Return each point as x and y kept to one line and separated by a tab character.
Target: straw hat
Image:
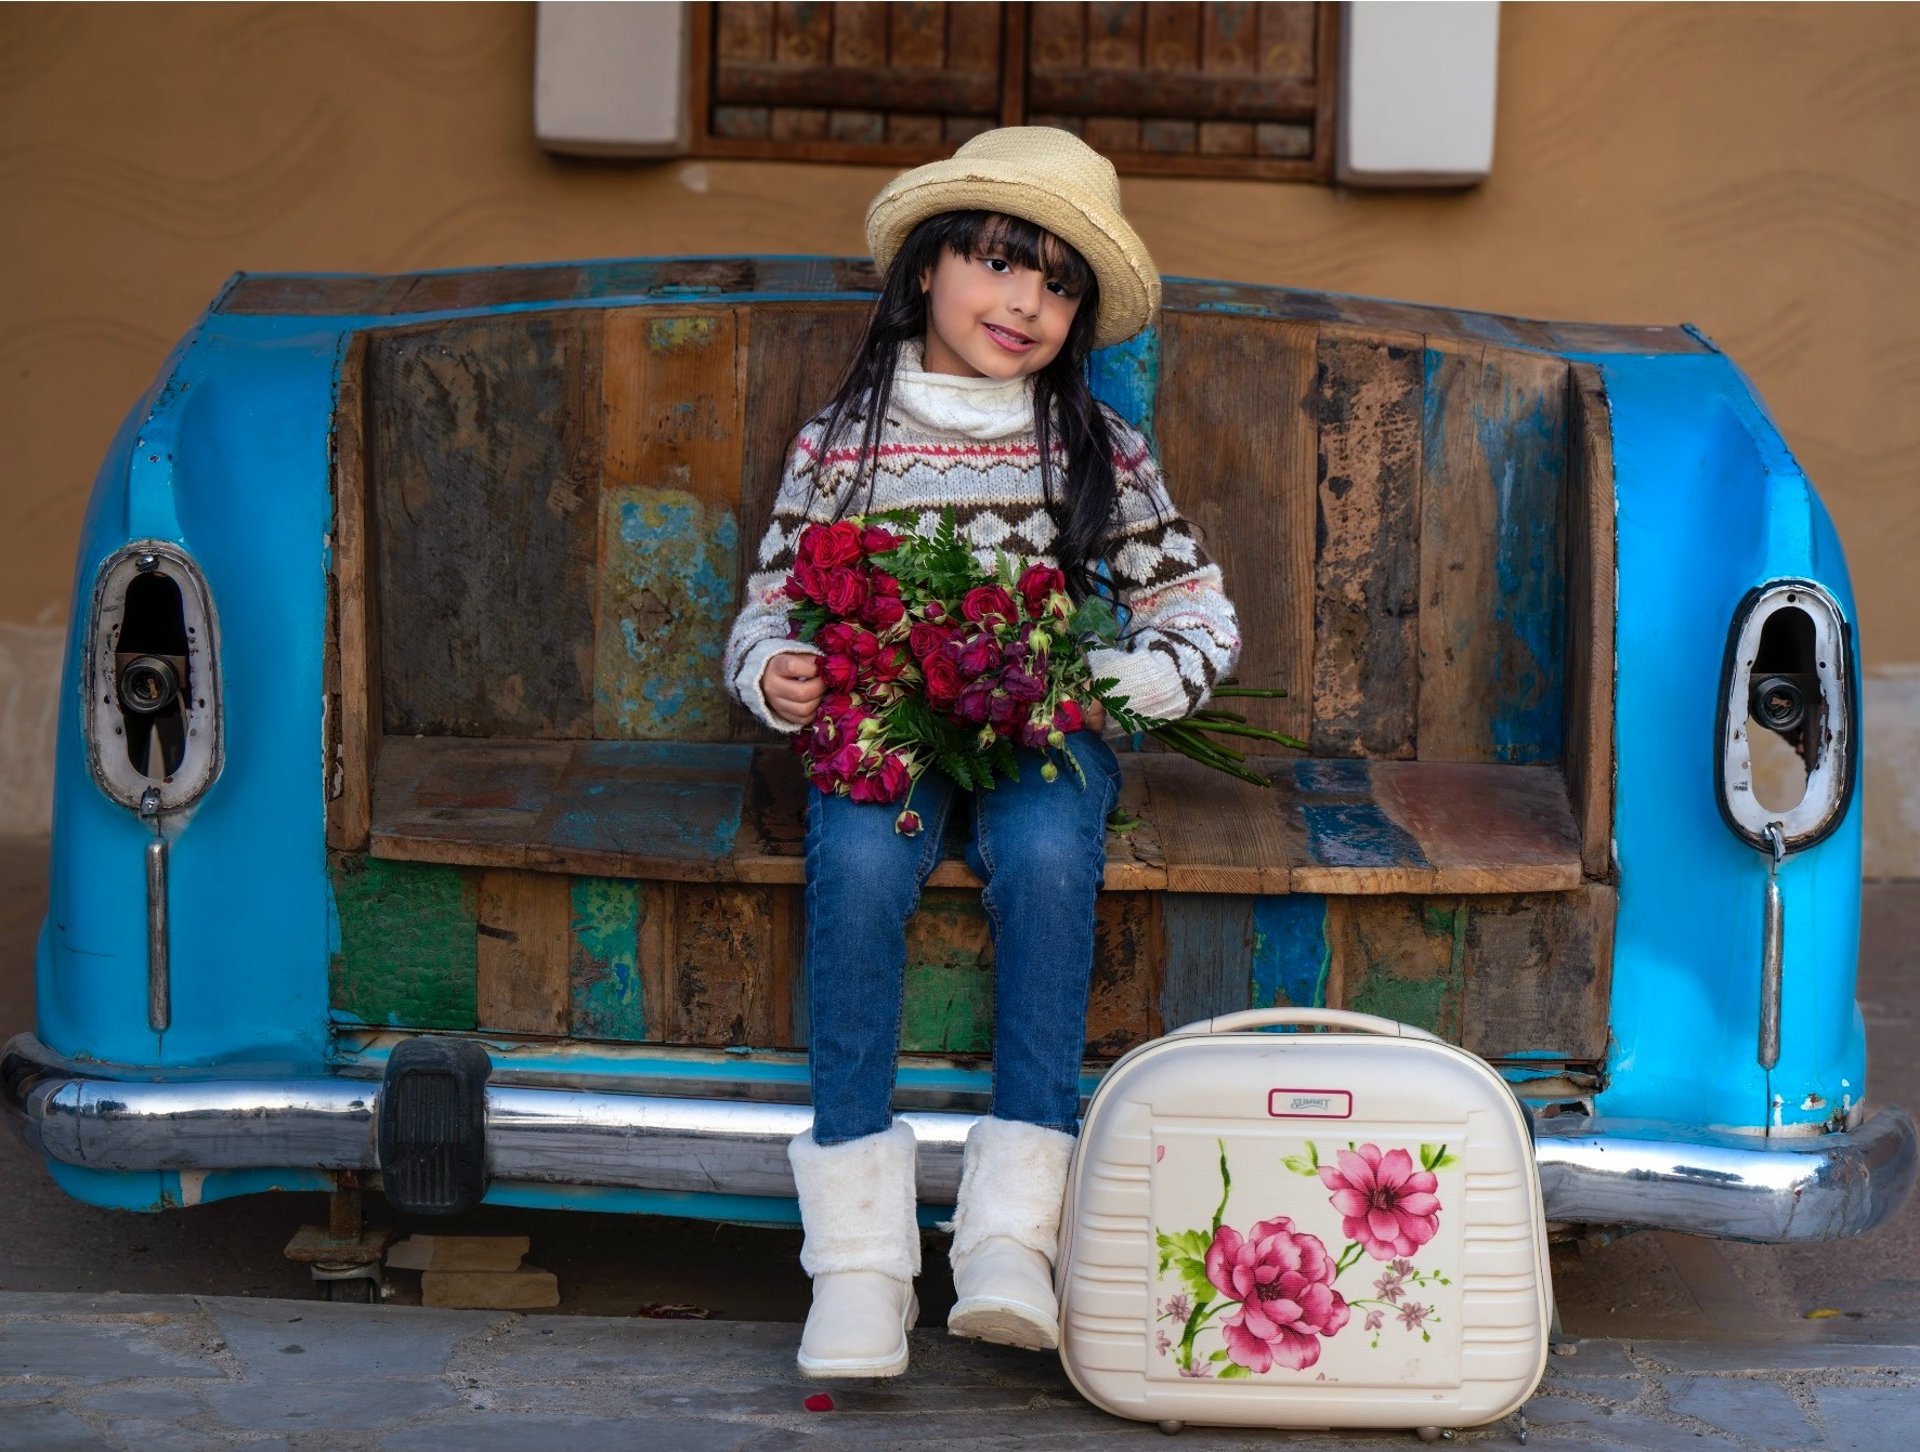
1050	178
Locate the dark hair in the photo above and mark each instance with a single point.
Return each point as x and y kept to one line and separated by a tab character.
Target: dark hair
1082	507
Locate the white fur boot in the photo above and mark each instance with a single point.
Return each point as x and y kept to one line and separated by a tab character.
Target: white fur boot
862	1249
1006	1233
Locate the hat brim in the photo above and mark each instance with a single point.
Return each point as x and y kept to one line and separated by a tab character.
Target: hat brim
1129	283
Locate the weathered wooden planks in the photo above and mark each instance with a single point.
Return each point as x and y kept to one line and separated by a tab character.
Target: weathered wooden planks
1502	976
669	532
1217	834
1493	604
721	811
354	673
948	1004
1240	462
408	953
1590	616
717	965
1367	393
523	933
607	997
484	459
725	964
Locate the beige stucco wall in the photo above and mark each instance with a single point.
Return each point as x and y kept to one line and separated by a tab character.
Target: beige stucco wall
1750	170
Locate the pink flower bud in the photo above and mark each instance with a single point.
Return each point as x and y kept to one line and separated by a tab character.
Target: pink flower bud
907	824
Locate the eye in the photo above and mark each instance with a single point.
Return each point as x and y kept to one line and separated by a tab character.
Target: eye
998	264
1060	289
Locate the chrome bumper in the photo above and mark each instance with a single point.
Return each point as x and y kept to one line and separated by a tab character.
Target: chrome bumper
1592	1172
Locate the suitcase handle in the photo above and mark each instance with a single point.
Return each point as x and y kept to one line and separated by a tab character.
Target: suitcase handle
1360	1023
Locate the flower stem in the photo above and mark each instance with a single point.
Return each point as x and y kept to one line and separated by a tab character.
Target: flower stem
1267	692
1201	723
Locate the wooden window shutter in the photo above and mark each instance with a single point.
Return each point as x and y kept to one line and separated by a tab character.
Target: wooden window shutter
1218	89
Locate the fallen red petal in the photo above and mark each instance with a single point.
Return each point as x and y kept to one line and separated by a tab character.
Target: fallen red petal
819	1402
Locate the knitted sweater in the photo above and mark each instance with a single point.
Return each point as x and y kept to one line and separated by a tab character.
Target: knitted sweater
968	444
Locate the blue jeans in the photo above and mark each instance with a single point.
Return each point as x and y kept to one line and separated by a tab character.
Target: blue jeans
1040	848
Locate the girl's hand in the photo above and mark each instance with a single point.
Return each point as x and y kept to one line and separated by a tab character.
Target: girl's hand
1093	716
792	685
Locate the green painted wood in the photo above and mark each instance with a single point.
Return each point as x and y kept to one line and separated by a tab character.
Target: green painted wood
409	934
949	978
1404	958
607	998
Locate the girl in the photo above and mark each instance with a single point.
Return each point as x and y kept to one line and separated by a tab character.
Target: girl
1004	268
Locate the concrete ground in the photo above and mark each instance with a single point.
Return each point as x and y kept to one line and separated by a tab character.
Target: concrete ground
190	1330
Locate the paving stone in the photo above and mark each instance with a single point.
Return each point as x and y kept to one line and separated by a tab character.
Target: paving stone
493	1432
91	1352
1757	1411
1594	1358
30	1391
145	1436
545	1348
1617	1427
47	1429
1867	1418
342	1340
274	1404
147	1400
44	1304
1777	1356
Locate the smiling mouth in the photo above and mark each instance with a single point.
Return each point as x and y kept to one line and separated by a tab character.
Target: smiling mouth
1007	337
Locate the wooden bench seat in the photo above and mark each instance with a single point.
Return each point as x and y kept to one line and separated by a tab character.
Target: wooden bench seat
548	818
733	812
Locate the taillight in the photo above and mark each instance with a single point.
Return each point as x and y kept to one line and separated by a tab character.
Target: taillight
1787	703
153	697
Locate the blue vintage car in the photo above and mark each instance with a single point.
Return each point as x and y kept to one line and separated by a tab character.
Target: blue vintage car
404	835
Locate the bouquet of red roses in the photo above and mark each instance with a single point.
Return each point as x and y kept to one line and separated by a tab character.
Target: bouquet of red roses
929	660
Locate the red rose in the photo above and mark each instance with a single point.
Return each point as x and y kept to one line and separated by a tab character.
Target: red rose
975	702
976	656
1066	716
862	645
927	639
838	671
846	591
887	665
836	638
829	545
1037	584
894	776
883	612
807	582
877	539
944	682
987	605
883	583
934	610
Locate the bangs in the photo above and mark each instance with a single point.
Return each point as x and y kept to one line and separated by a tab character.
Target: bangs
1023	243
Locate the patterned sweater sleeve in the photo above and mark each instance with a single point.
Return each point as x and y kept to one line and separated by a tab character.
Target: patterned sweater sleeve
1182	634
760	630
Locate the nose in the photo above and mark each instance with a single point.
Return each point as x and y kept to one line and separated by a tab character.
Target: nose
1024	295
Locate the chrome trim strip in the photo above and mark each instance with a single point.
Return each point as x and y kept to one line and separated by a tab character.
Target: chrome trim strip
159	982
1738	1187
1592	1172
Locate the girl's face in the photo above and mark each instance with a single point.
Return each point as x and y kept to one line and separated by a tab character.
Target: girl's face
990	317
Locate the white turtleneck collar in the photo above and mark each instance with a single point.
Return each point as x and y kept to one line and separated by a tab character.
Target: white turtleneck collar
975	408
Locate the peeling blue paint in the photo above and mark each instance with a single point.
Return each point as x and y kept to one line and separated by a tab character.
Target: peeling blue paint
1126	376
667	597
1291	954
